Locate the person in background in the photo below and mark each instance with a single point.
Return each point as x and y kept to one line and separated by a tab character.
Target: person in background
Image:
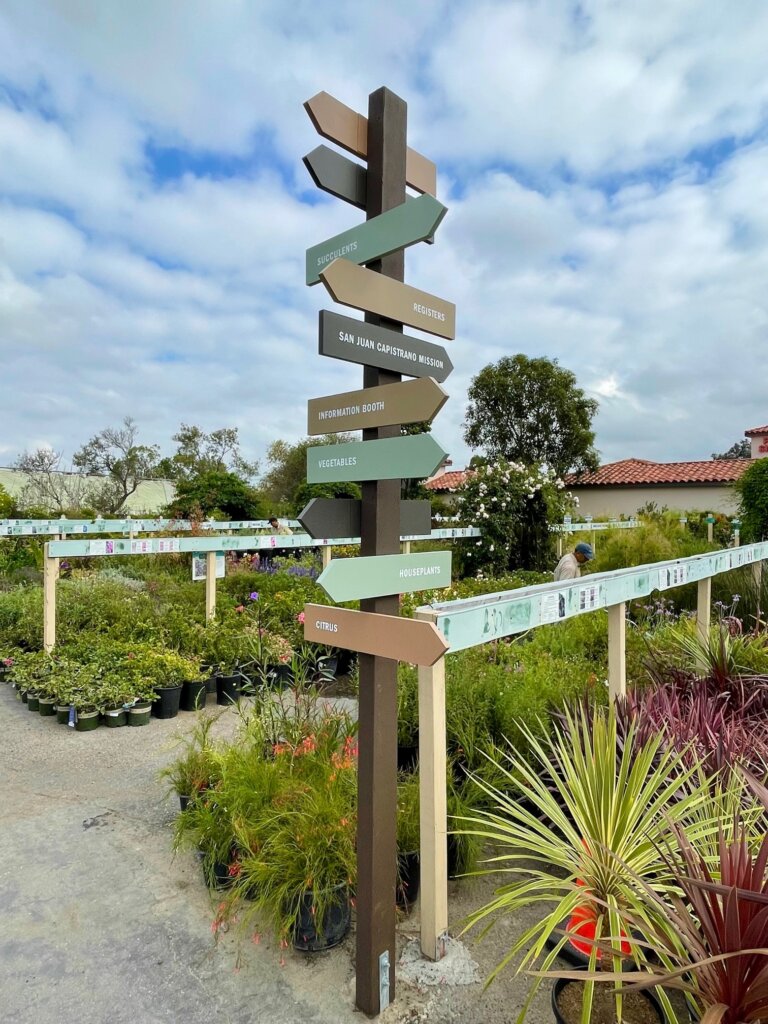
569	566
275	527
274	522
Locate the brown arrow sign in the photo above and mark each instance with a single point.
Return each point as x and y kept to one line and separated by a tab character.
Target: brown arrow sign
344	126
365	289
411	401
388	636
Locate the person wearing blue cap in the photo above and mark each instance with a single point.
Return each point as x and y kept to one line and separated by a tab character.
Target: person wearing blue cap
569	566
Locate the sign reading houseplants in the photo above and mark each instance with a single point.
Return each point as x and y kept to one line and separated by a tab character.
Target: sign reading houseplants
363	267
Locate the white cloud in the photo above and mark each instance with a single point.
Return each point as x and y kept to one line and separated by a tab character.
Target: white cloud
184	299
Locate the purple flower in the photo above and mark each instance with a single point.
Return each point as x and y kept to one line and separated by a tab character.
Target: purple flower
254	596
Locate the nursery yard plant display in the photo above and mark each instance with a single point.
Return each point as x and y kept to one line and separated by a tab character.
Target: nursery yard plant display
380	460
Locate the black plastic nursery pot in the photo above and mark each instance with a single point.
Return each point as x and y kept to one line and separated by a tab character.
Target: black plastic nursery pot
62	714
33	702
408	879
139	713
335	924
210	684
647	1007
166	704
193	695
47	707
115	718
407	757
227	690
87	721
24	695
280	676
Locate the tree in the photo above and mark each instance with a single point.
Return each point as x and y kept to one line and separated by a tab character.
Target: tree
7	504
752	488
288	469
199	453
216	492
738	450
48	486
114	455
531	411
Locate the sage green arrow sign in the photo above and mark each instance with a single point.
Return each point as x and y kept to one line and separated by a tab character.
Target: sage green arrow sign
410	401
352	579
399	227
390	458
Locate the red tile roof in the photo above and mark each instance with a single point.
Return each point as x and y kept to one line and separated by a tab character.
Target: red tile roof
755	431
640	471
449	481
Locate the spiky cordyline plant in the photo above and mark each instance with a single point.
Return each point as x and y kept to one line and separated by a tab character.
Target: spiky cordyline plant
599	812
713	937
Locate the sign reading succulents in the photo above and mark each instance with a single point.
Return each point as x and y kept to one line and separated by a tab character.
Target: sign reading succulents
363	267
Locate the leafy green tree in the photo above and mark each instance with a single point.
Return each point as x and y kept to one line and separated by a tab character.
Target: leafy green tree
7	504
305	492
114	455
198	453
216	491
513	505
288	470
531	411
738	450
752	488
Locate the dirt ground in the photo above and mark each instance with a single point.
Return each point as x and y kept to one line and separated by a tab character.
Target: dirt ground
100	925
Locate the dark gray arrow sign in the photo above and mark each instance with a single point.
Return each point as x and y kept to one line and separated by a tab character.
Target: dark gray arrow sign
343	337
333	173
340	517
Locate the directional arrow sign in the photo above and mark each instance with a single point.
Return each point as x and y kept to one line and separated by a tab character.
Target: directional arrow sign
419	643
396	229
364	289
391	458
333	173
340	517
344	126
411	401
342	337
351	579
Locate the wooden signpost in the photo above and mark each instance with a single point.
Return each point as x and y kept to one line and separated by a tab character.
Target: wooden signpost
404	225
340	517
354	341
363	289
347	579
413	401
389	458
379	462
418	643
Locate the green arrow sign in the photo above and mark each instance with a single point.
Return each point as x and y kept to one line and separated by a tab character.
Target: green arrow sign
352	579
390	458
405	224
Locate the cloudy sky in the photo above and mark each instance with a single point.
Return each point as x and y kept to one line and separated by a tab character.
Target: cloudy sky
605	165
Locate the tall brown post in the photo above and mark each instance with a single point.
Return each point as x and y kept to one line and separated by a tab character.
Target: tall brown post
380	535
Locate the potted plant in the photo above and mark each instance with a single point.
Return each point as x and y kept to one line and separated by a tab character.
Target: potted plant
408	840
206	826
596	815
296	859
170	670
194	692
199	766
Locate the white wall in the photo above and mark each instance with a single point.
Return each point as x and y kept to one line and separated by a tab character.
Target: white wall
607	501
757	444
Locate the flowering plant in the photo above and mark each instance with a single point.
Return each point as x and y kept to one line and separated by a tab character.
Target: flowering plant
513	505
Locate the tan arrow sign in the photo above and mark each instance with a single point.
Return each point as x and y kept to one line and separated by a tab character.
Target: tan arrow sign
344	126
365	289
388	636
411	401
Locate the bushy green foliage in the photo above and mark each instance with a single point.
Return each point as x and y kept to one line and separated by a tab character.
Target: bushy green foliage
752	488
513	505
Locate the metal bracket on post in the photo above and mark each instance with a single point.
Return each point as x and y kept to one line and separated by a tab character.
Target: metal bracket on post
325	552
384	980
